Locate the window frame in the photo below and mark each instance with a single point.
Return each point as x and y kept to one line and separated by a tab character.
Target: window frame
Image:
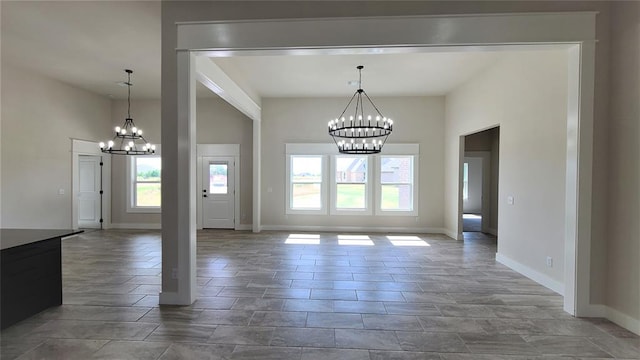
323	186
413	155
131	180
328	152
368	209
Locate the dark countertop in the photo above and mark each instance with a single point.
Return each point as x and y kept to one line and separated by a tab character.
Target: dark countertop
15	237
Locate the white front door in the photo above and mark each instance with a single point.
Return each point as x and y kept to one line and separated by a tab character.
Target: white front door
218	193
89	191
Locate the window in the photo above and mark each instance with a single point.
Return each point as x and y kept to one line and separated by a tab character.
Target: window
350	189
319	181
306	186
218	179
144	191
396	183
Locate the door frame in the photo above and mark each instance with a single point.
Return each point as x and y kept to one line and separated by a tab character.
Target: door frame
90	148
192	39
218	150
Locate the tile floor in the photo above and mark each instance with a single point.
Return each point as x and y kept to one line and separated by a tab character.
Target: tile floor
280	296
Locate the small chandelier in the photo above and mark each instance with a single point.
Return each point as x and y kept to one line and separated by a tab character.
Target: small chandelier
360	133
128	137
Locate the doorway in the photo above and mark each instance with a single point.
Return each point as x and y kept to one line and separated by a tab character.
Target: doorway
218	192
480	173
472	194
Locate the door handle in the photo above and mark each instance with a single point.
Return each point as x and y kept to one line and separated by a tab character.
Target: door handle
205	195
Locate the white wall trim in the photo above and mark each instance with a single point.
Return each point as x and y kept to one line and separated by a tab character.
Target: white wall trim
532	274
623	320
453	234
413	33
137	226
169	298
363	229
595	311
215	79
613	315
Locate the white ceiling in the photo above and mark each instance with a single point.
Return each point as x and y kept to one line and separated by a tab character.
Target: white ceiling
88	44
410	74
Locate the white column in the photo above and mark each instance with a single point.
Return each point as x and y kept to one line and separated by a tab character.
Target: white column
257	136
578	179
179	191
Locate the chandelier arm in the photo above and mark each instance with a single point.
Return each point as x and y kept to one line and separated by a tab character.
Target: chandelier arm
347	107
372	104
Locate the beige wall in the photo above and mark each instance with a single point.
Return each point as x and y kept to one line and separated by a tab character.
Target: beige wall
220	123
418	120
526	94
217	123
623	246
40	116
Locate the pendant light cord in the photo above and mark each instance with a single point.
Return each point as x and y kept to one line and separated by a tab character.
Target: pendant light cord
129	95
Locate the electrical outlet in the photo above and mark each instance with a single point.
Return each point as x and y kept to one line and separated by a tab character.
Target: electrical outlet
549	261
174	273
60	191
510	200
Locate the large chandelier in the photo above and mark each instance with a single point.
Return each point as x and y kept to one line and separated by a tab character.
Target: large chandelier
128	139
360	133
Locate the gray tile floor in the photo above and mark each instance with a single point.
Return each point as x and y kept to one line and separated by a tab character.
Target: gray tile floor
262	296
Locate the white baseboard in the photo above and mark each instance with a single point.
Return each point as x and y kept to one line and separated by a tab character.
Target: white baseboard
532	274
623	320
613	315
173	298
452	234
136	226
365	229
169	298
593	310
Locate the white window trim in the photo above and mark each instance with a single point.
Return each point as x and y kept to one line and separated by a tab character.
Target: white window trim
323	187
398	150
130	191
368	210
328	152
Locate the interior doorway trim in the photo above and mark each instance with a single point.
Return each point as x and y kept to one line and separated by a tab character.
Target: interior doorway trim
83	147
400	34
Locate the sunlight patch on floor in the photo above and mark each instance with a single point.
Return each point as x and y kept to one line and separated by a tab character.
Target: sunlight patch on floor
303	239
407	240
362	240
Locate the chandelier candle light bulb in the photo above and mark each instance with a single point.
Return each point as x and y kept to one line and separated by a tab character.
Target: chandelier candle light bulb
128	136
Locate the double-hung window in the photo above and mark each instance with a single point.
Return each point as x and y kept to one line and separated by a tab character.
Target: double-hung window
351	191
306	184
396	184
144	191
